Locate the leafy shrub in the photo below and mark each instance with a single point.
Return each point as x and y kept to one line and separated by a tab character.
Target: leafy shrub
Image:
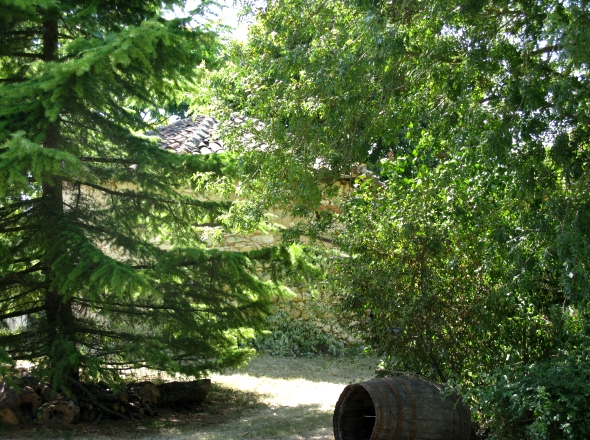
289	337
545	400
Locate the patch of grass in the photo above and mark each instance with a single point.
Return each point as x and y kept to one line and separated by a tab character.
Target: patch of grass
337	370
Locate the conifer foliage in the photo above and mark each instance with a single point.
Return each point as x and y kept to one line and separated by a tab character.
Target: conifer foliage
87	286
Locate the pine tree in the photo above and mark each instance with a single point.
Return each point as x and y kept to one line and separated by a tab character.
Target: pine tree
87	203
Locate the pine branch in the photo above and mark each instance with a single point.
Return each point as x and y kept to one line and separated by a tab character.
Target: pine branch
110	334
115	235
26	312
143	196
14	219
19	229
72	123
118	304
36	267
131	195
22	295
116	109
131	87
124	366
25	55
106	160
12	80
126	308
75	31
142	266
10	208
25	260
26	33
4	281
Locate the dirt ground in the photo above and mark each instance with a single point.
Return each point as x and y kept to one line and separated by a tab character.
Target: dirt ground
271	399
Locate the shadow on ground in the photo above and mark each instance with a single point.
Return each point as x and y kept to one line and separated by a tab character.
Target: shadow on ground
228	415
299	422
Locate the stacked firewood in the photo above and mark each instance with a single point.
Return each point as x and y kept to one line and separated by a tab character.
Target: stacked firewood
28	400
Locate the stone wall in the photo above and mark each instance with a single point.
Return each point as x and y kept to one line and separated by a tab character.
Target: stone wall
307	303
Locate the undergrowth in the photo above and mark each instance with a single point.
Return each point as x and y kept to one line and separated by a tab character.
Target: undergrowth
288	337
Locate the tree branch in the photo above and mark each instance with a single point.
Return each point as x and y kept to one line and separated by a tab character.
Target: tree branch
140	196
106	160
10	208
546	49
13	219
19	229
22	312
20	295
494	12
5	32
26	55
35	268
131	195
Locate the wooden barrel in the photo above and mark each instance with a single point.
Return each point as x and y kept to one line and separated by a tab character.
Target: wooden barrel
400	408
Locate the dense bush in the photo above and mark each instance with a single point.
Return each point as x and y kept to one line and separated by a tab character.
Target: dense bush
288	337
544	400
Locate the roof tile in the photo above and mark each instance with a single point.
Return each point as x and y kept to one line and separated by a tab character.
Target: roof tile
189	136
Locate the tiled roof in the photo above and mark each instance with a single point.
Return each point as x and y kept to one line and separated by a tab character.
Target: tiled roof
189	136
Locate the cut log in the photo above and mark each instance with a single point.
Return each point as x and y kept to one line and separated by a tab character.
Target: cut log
123	396
9	413
45	392
193	392
29	381
28	400
7	395
59	412
89	396
107	397
92	402
147	392
136	408
8	416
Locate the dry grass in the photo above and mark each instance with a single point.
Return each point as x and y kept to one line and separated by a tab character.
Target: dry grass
271	399
299	395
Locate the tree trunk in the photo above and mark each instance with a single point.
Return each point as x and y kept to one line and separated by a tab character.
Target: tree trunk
59	313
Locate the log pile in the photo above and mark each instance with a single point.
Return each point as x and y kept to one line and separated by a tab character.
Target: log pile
27	400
